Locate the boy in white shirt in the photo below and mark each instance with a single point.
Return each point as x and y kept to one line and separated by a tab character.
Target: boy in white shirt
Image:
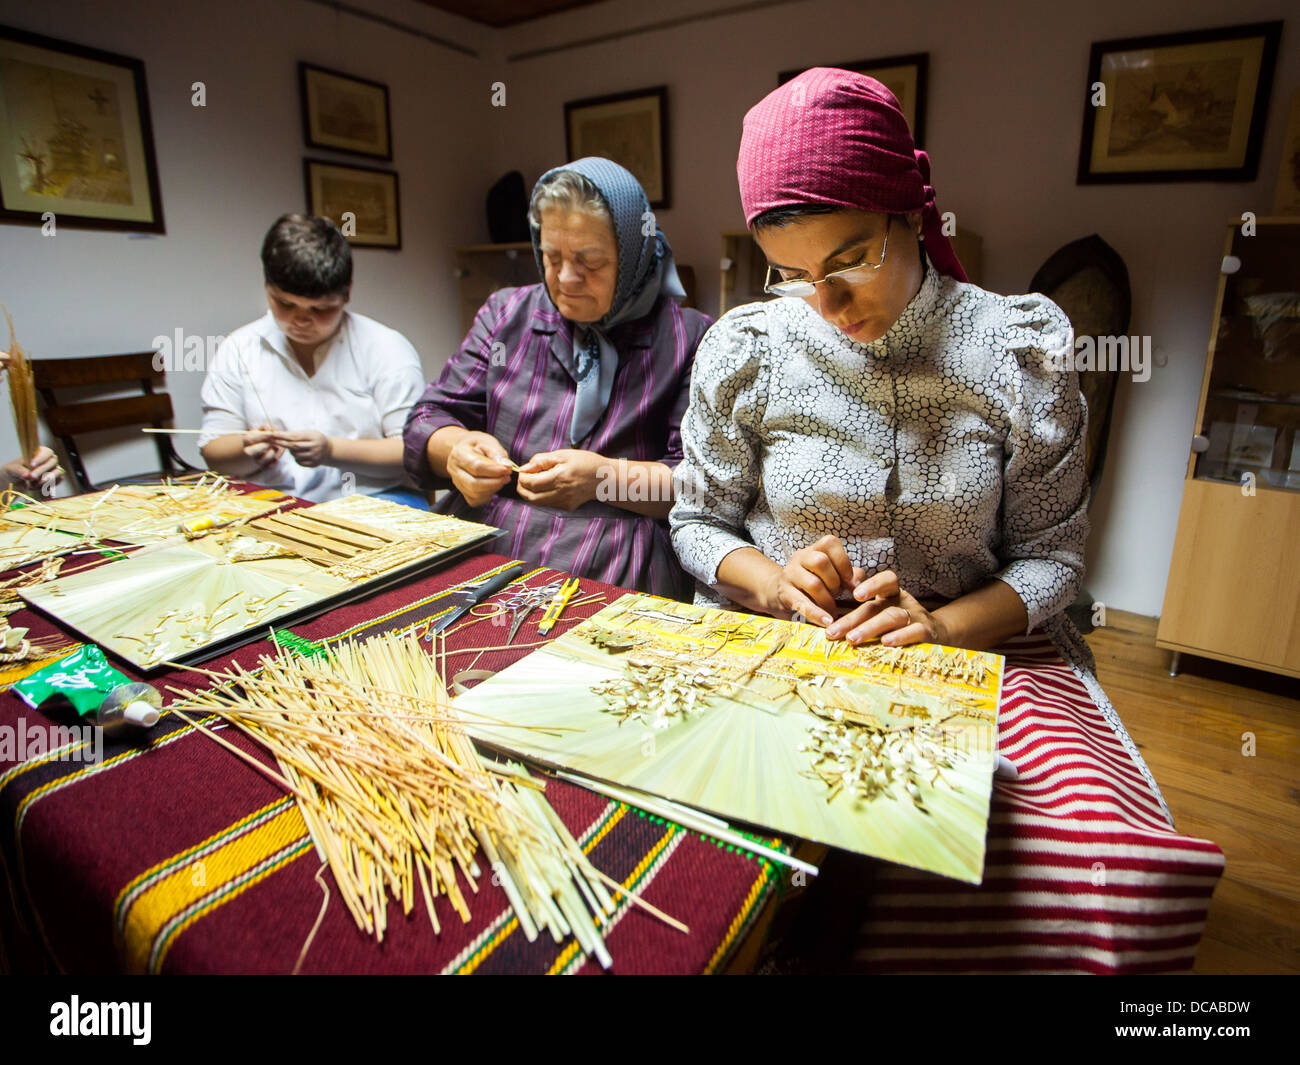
310	398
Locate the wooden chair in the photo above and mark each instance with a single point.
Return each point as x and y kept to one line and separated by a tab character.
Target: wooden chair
69	420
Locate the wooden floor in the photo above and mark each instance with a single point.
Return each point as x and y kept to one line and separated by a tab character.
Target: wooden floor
1192	730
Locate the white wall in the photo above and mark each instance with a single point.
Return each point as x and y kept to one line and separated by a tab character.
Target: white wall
1003	125
1004	118
229	169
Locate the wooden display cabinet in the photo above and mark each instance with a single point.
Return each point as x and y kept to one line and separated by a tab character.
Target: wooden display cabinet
1234	583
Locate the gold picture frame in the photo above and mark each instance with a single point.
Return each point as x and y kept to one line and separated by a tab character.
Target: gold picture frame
1178	107
361	200
903	75
631	128
76	141
344	113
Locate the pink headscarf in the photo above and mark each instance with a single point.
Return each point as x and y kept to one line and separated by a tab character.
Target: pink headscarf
838	138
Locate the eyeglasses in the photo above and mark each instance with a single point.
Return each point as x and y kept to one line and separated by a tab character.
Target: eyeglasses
855	275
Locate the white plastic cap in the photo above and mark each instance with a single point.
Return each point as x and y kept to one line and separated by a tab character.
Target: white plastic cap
141	713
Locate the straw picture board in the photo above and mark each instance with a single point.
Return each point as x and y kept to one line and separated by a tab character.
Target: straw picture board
145	513
888	752
184	601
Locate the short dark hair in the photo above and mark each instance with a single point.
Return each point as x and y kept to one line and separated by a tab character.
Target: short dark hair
306	256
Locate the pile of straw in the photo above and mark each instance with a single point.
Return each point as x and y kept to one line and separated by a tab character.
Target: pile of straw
397	798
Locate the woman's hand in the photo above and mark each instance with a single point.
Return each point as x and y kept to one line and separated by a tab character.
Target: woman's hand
261	447
43	471
479	467
887	612
309	447
811	581
561	479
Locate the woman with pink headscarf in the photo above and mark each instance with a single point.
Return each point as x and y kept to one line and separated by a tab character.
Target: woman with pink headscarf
885	451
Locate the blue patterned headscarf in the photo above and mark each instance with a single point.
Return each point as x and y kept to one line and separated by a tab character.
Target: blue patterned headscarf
645	271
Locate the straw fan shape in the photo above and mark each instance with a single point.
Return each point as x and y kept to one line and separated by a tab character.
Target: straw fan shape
883	751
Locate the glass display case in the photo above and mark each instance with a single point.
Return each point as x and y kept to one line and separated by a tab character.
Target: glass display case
1234	580
1252	400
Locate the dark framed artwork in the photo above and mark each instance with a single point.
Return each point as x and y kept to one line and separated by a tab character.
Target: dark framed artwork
903	75
344	113
630	128
1179	106
361	200
76	140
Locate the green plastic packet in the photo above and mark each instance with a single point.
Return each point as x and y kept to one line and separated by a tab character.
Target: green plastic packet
84	678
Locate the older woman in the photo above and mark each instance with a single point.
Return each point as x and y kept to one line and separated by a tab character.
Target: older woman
885	451
559	418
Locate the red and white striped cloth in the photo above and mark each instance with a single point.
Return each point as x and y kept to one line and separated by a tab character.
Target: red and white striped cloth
1084	870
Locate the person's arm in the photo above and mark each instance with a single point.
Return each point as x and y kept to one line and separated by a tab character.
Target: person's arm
1045	477
716	482
230	442
366	458
1044	515
457	400
246	454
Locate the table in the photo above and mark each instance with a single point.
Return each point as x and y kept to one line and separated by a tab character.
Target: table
174	856
181	859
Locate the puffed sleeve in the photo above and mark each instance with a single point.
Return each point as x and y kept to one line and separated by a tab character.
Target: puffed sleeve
717	480
458	397
1044	479
686	341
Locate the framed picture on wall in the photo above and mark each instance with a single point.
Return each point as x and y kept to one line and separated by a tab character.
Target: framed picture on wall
344	113
631	128
1286	195
361	200
903	75
76	142
1178	107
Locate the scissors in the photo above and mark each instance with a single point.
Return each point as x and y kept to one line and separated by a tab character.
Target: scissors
525	601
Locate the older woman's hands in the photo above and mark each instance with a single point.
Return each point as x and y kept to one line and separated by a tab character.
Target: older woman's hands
562	479
479	467
887	612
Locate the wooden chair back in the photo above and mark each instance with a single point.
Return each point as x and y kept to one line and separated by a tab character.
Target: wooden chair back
69	420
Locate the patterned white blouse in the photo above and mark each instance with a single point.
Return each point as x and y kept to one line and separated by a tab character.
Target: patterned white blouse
951	450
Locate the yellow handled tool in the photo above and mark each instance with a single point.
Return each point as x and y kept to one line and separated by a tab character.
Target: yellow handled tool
556	608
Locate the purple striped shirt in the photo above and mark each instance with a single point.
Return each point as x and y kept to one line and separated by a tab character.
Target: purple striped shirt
514	377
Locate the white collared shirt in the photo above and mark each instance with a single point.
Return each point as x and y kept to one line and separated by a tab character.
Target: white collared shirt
367	377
